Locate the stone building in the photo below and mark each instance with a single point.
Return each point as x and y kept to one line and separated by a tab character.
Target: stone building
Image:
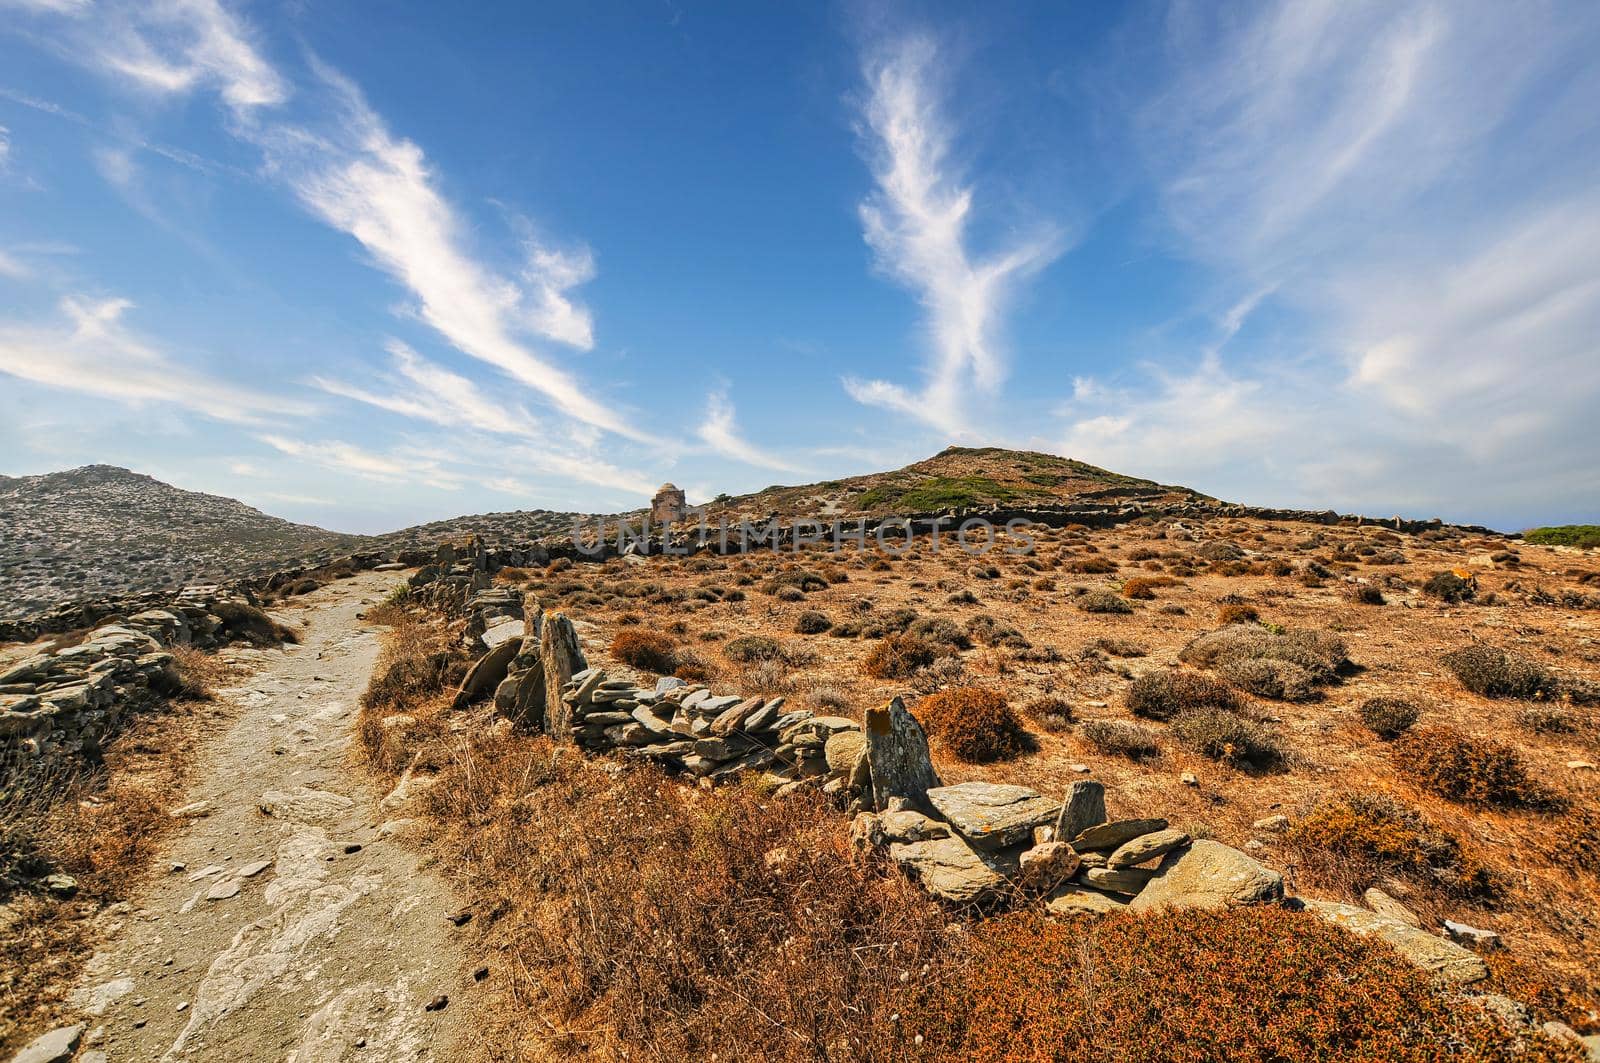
668	506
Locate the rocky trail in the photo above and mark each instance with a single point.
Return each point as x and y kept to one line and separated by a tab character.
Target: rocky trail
284	921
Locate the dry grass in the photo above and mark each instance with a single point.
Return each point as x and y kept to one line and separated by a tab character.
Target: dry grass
665	923
100	825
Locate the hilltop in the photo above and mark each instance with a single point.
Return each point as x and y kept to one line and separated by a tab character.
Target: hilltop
956	478
101	530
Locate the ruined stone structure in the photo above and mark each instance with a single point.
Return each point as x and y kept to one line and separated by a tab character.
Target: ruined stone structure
668	506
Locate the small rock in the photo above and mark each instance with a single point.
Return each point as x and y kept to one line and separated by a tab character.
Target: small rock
1147	847
1046	866
53	1047
1471	935
1580	765
1189	778
221	891
1273	823
193	810
61	885
438	1003
251	870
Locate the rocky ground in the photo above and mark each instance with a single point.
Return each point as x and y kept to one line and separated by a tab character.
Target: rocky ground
284	919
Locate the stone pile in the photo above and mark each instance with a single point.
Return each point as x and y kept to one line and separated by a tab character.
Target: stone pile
456	573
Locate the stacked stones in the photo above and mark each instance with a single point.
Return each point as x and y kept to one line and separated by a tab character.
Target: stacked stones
458	571
709	736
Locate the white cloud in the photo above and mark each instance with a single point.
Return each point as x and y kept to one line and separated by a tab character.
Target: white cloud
917	224
92	353
176	46
428	392
347	457
719	430
361	180
5	148
11	267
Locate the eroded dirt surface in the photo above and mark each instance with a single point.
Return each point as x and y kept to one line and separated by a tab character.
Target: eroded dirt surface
285	921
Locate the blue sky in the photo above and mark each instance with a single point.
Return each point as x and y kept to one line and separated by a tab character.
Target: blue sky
366	265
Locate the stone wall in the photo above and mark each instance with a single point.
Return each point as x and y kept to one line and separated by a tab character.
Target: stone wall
969	844
67	702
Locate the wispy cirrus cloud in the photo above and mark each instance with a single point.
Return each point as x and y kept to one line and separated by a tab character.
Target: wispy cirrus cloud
427	392
719	430
917	223
92	352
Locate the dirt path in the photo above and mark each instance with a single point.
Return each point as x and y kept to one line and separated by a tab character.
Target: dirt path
291	925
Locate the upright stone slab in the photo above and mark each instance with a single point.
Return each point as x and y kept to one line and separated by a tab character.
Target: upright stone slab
897	756
560	655
1084	807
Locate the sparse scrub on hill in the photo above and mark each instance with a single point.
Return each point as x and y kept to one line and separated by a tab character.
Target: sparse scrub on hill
1494	673
1388	718
1234	613
1162	695
1467	769
974	724
812	622
1273	663
1354	840
1116	738
1050	713
1449	587
898	656
1587	535
647	650
1257	984
1103	601
1228	738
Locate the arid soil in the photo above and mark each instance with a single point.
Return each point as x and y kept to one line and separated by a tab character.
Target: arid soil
285	920
1547	906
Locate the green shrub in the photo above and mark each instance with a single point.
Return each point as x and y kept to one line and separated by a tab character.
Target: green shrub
1587	535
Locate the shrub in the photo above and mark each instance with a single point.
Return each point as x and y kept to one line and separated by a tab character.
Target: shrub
1162	695
1388	718
1494	673
991	632
1449	587
800	579
1367	594
1256	984
1282	680
1091	566
1356	839
1237	613
747	649
1227	738
974	724
1104	602
645	649
898	656
940	631
1565	535
1472	771
1113	737
694	666
812	622
1140	587
1320	655
1050	713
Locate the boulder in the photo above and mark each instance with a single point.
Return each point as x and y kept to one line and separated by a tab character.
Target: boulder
952	871
1083	807
1075	900
842	750
486	673
1146	847
1208	874
53	1047
1445	960
990	815
897	756
904	825
1046	866
1111	835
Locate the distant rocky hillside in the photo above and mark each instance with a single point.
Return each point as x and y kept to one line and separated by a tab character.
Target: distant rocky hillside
102	530
958	478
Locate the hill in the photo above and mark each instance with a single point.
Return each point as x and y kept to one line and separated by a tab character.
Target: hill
101	530
956	478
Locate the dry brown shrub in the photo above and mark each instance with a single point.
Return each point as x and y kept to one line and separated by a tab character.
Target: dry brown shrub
422	658
1164	694
1473	771
898	656
974	724
677	924
648	650
1350	841
1237	614
1258	984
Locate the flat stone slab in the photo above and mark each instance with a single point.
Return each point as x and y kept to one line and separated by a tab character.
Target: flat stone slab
1126	880
1443	959
1209	875
1147	847
1117	832
951	870
992	815
1075	900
